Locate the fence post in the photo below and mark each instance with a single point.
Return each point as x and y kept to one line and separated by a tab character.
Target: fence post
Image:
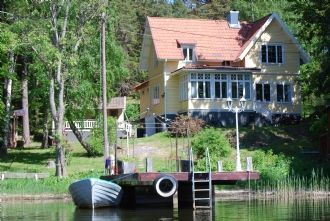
219	166
249	165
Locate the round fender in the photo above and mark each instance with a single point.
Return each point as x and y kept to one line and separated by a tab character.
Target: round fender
165	185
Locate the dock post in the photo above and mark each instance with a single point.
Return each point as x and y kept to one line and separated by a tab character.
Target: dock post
148	165
249	165
219	166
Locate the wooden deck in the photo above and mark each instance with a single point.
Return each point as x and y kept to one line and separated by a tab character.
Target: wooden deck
145	179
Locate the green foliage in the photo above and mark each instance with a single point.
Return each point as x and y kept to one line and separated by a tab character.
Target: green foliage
217	143
133	112
96	140
319	126
271	166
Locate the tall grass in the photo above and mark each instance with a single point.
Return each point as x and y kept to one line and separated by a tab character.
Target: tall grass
49	185
293	185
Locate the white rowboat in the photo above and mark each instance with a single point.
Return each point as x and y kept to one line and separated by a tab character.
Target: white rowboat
93	193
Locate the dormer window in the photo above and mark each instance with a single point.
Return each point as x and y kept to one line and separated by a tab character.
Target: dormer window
188	53
272	54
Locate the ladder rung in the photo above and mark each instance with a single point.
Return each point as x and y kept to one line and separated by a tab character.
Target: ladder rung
201	198
201	181
203	207
200	190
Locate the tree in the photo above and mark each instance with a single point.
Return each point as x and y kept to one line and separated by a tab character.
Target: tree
58	49
8	45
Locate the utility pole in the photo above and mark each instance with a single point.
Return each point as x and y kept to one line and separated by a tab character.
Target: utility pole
104	89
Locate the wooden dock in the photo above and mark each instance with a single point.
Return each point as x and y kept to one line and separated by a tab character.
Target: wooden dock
145	179
139	188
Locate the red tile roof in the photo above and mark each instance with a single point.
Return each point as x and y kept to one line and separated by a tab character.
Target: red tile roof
213	39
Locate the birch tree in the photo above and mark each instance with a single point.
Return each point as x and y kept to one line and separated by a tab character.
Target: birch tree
69	20
8	42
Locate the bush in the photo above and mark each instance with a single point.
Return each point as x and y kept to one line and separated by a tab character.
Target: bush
319	126
133	112
184	125
96	140
272	167
217	143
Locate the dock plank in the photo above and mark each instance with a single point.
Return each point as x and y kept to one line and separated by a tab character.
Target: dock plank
142	179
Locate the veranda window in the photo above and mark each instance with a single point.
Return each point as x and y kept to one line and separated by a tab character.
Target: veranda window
200	85
240	86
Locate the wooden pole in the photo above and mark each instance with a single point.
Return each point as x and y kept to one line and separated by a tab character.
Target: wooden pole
104	89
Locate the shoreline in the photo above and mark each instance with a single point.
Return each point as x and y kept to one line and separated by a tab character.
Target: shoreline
219	195
34	197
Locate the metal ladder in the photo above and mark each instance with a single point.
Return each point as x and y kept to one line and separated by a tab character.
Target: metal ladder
201	184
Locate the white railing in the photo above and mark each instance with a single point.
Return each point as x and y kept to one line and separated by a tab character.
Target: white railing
86	124
127	127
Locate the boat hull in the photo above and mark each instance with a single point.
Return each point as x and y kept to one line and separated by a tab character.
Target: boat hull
93	193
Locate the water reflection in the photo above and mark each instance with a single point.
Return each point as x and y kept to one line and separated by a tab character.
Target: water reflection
253	210
116	214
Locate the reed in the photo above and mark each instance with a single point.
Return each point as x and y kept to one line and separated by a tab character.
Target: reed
294	185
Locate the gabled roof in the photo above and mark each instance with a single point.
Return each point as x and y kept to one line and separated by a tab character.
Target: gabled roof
253	39
214	40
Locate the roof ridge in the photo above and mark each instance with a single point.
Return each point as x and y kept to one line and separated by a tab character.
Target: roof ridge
192	19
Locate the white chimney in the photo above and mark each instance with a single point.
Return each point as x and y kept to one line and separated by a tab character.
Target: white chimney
233	19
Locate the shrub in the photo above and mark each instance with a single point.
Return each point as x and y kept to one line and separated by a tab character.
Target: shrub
272	167
184	125
217	143
96	140
133	112
318	126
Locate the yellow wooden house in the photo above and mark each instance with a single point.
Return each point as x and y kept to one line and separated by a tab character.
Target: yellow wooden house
195	66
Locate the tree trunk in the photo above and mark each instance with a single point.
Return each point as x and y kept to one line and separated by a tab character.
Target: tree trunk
79	137
58	117
45	133
25	105
8	87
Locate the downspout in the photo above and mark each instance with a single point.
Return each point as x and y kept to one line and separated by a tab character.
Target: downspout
165	93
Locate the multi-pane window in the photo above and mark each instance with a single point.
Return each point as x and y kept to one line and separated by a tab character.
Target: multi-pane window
240	86
155	94
217	85
272	54
263	92
188	53
200	85
283	92
220	86
184	87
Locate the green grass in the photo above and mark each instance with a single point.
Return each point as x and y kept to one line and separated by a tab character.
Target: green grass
276	145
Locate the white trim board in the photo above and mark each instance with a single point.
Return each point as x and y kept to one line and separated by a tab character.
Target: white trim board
303	54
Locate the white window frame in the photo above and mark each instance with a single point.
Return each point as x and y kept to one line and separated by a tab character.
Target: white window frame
237	81
187	47
202	80
246	78
283	93
155	94
276	56
221	80
263	92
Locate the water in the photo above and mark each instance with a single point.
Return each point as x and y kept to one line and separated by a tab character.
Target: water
253	210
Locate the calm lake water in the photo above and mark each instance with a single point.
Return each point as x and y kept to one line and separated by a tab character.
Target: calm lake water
254	210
